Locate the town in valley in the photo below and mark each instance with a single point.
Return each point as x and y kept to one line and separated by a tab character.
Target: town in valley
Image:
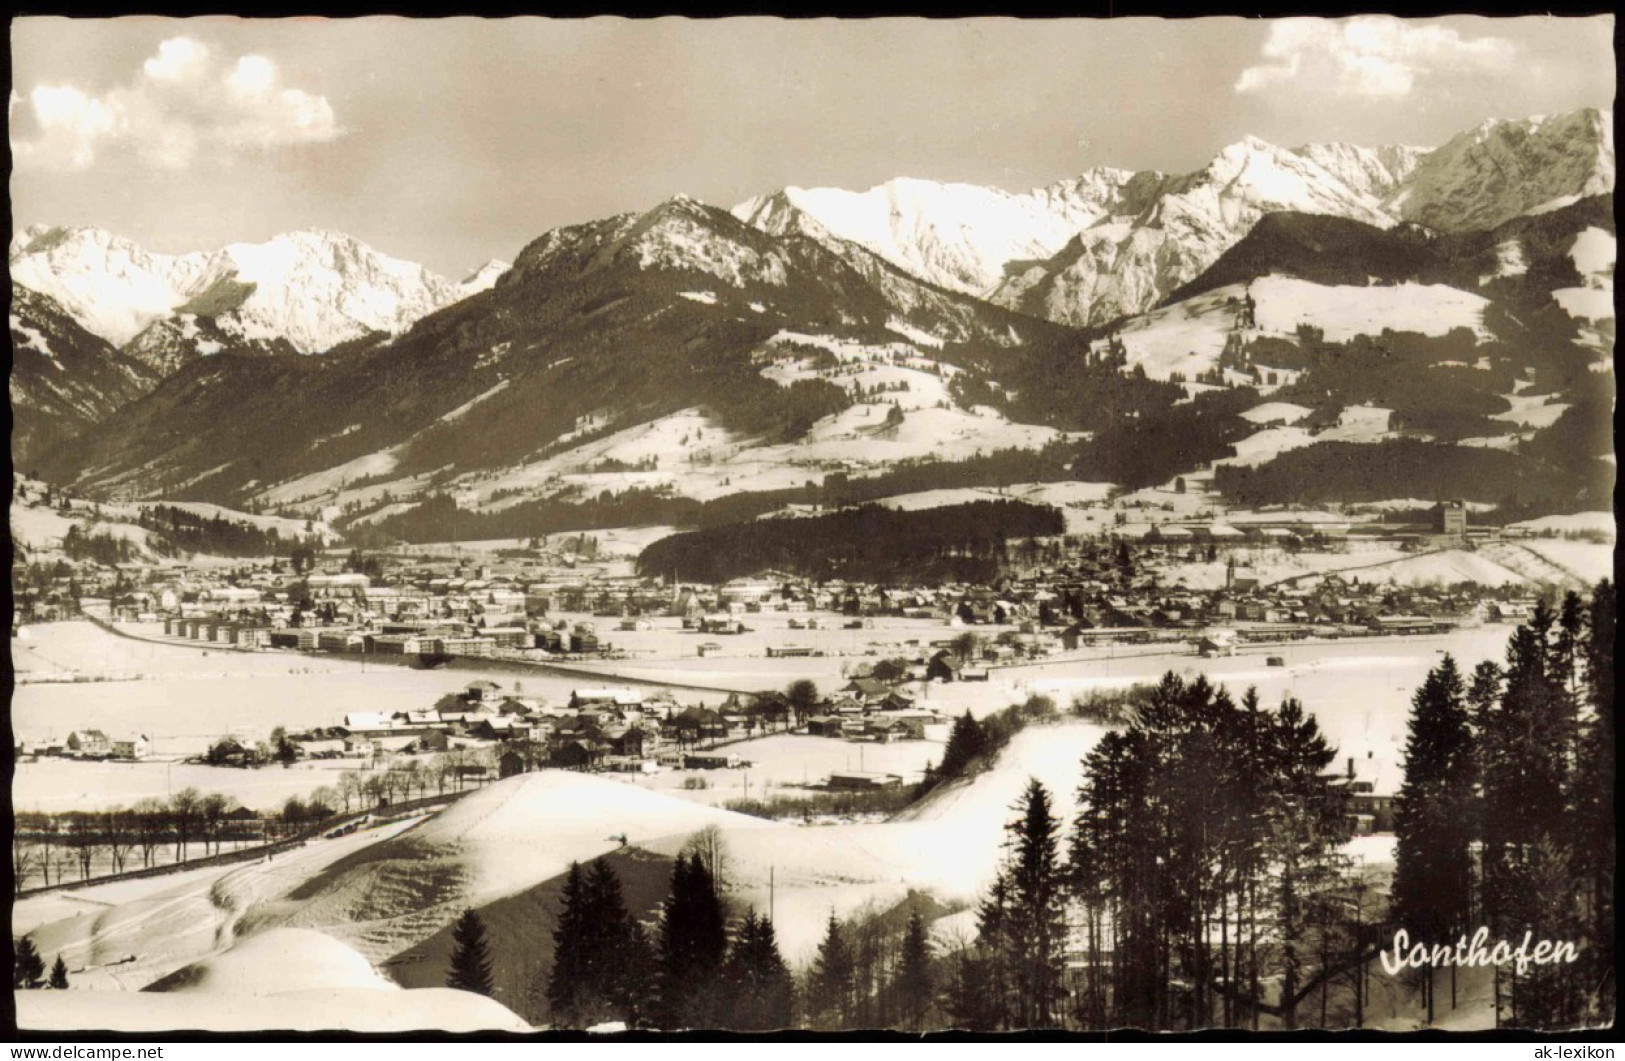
1133	603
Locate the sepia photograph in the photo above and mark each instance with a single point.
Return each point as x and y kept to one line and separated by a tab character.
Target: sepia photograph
533	526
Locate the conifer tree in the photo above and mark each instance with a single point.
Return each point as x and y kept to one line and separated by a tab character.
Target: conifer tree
28	969
1595	824
914	975
966	743
1546	750
470	956
991	956
1522	765
573	960
693	945
760	992
1202	813
1433	880
625	973
973	1000
59	975
1024	925
829	985
601	959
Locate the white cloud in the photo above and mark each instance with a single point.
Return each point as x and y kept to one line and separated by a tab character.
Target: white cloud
184	104
179	59
1371	56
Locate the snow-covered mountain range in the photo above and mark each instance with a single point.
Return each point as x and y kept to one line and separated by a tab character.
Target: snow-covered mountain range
1111	243
693	352
311	290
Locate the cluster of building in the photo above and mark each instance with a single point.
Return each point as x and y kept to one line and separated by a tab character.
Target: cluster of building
510	606
88	744
1050	609
1447	527
612	728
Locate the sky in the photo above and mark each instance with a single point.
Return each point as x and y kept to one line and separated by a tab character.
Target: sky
451	142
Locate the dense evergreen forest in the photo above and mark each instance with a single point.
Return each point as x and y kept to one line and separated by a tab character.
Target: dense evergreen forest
1506	814
190	532
440	518
1348	471
957	543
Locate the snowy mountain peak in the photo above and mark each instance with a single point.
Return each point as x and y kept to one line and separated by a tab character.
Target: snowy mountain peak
682	233
313	288
1504	168
1112	242
958	236
484	278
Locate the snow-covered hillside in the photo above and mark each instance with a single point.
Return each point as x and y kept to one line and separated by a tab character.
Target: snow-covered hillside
314	289
494	842
39	524
1189	336
692	455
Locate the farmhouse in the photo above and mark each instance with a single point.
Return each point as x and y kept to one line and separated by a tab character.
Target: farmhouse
860	779
89	744
136	747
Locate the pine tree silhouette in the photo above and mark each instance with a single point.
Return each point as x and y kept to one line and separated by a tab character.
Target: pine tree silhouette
914	980
471	958
59	975
829	986
760	993
1432	891
572	961
602	965
28	969
693	944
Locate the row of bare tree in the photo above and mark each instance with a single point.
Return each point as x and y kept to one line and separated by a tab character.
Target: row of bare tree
49	849
51	846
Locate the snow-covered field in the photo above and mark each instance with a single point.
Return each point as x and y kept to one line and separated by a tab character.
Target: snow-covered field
178	939
1572	523
1448	567
54	785
1594	254
124	940
1070	498
1188	336
188	695
1585	303
785	764
42	529
491	843
1359	423
1531	410
1343	312
287	528
1360	691
1271	412
344	1009
1276	565
1264	446
1591	561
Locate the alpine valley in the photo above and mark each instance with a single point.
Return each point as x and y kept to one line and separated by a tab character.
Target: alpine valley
1330	322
